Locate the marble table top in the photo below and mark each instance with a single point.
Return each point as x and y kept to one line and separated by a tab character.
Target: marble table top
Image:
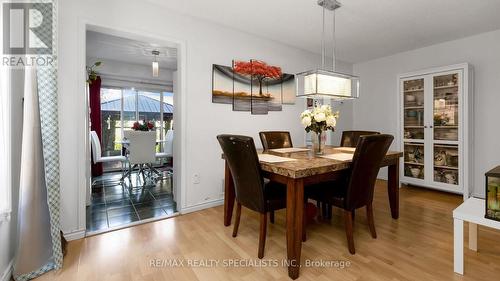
308	164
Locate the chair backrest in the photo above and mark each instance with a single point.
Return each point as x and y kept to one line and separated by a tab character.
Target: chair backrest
241	157
96	147
142	146
275	139
350	138
368	157
169	142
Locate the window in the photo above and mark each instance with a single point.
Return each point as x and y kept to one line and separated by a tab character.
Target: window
120	108
5	167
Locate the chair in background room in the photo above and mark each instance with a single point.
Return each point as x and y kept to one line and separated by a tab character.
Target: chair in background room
141	151
356	190
275	139
97	153
251	190
168	146
350	138
168	153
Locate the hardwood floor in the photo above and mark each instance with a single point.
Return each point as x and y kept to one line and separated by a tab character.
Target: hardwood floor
418	246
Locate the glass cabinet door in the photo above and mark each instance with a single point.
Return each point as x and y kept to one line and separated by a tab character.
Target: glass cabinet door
413	127
446	128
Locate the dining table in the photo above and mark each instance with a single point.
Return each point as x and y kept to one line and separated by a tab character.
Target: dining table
300	168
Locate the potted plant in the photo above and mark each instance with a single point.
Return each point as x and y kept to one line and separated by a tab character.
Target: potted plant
317	121
91	73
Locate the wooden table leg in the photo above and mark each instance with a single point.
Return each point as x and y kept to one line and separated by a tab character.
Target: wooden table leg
228	196
393	189
294	217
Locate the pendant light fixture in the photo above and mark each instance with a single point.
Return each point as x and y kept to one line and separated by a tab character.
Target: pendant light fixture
324	83
154	65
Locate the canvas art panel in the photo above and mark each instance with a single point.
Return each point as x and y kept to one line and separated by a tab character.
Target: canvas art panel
247	91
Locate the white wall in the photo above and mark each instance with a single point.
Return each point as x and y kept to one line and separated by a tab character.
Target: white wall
207	44
377	108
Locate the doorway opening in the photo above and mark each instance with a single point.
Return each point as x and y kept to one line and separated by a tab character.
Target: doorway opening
131	131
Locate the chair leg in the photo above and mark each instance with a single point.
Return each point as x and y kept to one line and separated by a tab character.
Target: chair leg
262	234
371	222
324	210
349	231
237	219
123	171
271	217
304	224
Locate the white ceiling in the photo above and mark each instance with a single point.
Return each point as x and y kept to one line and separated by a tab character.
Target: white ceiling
366	29
105	46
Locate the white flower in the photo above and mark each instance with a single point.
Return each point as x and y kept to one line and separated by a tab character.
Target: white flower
306	121
331	121
325	108
320	117
305	113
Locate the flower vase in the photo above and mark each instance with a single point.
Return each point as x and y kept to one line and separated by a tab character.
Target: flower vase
318	143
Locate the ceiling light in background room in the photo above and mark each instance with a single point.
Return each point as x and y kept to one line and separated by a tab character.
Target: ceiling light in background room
323	83
155	66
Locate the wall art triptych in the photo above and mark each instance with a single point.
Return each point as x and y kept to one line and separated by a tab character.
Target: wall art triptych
252	86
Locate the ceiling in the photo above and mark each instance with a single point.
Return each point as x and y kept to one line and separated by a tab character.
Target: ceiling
366	29
105	46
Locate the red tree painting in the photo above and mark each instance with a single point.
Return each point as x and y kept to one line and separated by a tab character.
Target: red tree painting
258	70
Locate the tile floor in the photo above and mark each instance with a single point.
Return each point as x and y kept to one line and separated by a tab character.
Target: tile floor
114	204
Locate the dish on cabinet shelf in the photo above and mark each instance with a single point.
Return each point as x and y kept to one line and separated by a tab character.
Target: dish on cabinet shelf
415	172
440	158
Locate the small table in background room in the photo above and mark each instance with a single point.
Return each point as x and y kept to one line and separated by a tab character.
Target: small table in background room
471	211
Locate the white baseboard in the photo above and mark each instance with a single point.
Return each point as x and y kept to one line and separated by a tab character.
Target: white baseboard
201	206
75	235
8	272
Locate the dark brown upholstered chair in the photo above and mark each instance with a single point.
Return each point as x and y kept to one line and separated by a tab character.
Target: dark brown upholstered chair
275	139
251	190
356	190
350	138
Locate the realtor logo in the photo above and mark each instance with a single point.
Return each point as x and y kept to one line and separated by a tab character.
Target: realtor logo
27	33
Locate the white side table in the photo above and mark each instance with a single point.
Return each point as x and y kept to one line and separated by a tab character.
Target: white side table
471	211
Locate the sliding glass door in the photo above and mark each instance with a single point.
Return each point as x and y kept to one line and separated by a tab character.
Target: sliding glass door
120	108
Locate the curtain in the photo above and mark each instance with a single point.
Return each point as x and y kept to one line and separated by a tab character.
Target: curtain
35	251
95	118
39	232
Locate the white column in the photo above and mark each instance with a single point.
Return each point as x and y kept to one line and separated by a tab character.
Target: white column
458	246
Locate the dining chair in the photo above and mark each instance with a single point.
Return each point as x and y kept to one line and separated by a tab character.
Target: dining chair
97	153
356	189
350	138
168	146
275	139
167	153
251	190
141	150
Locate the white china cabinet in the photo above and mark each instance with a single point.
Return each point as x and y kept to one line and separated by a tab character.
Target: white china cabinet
436	126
